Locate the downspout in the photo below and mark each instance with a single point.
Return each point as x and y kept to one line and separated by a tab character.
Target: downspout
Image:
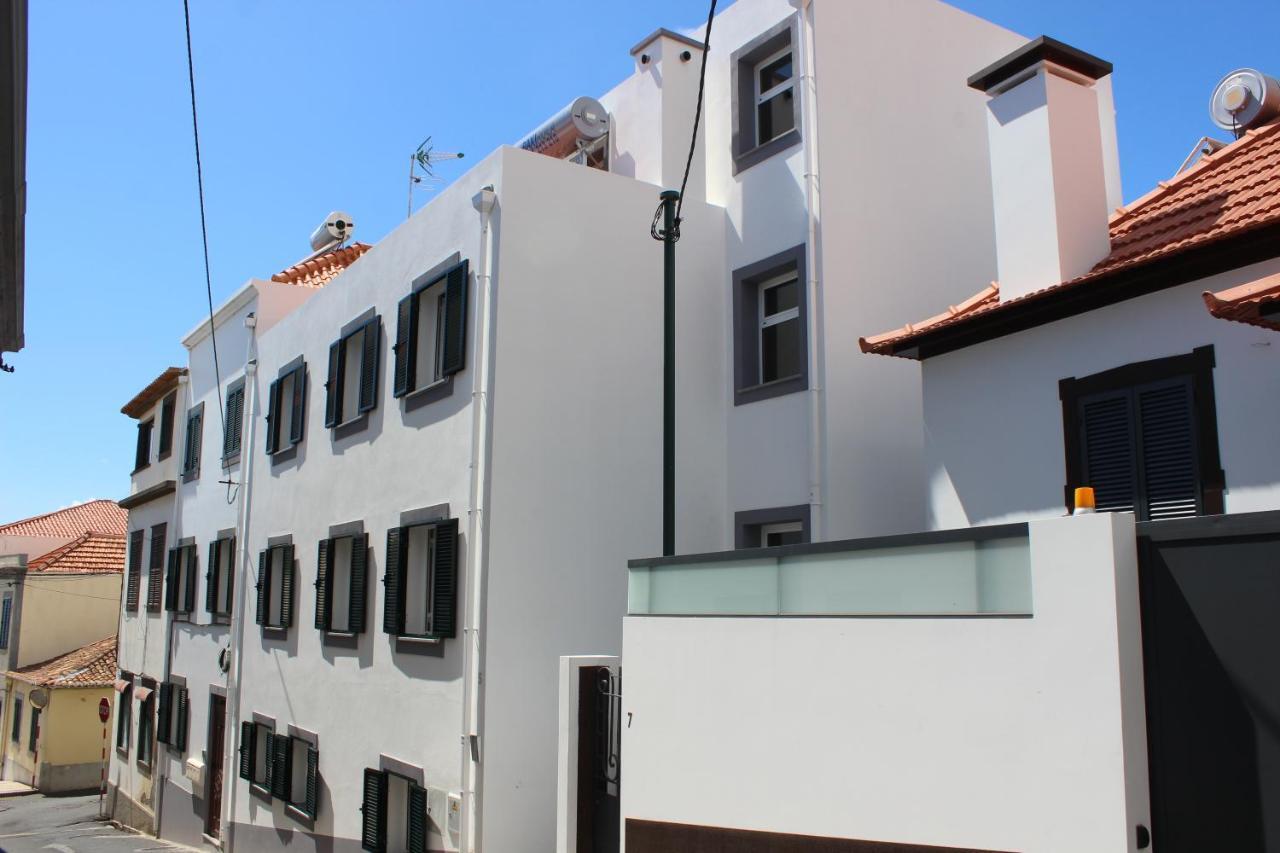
232	730
813	285
484	202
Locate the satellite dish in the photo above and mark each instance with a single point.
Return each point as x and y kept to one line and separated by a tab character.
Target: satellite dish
39	697
1244	99
335	229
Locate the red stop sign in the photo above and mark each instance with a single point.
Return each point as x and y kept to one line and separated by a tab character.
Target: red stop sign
104	709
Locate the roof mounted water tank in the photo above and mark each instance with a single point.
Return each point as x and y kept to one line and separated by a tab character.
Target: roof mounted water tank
335	229
584	120
1244	99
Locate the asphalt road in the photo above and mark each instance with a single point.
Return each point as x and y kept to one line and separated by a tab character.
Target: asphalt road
35	822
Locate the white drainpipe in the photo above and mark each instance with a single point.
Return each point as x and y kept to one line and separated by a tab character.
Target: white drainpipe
476	557
813	286
232	729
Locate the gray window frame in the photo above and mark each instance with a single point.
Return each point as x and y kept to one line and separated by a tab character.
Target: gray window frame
747	386
743	64
748	525
287	448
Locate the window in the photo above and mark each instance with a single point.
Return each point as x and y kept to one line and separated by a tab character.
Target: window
142	457
167	410
421	580
352	386
16	734
431	331
180	583
146	721
255	754
770	328
286	405
1145	437
771	528
784	533
281	766
33	732
6	608
766	109
124	711
136	541
275	586
155	576
173	715
394	813
219	576
341	572
194	440
235	420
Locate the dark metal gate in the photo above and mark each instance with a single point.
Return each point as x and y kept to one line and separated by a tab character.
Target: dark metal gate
1211	642
599	758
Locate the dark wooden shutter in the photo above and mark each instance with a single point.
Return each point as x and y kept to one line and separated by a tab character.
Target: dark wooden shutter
142	455
155	575
171	579
247	737
136	541
273	417
183	713
357	603
164	716
444	579
166	425
286	587
298	420
211	578
454	351
417	819
406	345
235	413
392	598
373	831
1107	450
191	454
281	766
333	386
190	572
370	346
264	585
324	554
1167	434
312	798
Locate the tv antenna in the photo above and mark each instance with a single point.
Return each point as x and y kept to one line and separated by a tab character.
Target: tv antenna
422	161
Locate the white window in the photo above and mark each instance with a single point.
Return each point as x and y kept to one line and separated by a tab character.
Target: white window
180	591
429	347
781	533
218	592
286	414
395	816
352	386
774	90
780	332
351	363
275	587
421	580
341	572
262	734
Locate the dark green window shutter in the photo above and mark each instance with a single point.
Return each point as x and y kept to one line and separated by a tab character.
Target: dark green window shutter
357	602
191	453
417	819
155	572
281	766
235	417
298	419
269	763
264	585
393	580
211	578
181	709
312	801
454	350
333	386
191	571
370	345
287	588
166	425
136	541
1107	450
444	579
1167	434
231	574
323	562
406	345
171	579
373	820
247	736
164	716
273	417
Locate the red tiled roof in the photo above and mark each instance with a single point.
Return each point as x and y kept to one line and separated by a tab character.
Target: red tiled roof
157	388
93	665
100	516
1226	194
1244	303
88	554
320	270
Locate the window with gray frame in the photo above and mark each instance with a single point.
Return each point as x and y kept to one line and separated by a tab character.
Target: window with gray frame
286	408
173	715
342	568
770	327
146	722
420	598
431	330
284	766
181	579
352	387
193	442
124	711
168	410
255	754
766	111
142	454
219	576
6	612
232	436
393	812
772	527
276	586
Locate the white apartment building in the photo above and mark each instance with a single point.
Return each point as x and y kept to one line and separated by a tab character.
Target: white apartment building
444	456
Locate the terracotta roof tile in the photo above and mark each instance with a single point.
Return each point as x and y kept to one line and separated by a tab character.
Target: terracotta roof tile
90	553
100	516
1244	304
1225	194
93	665
149	396
320	270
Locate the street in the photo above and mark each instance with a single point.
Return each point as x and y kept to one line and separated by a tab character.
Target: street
64	825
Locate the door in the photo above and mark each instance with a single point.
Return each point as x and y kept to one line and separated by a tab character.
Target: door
1211	642
217	734
599	758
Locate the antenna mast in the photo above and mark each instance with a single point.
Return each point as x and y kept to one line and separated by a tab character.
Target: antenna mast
423	159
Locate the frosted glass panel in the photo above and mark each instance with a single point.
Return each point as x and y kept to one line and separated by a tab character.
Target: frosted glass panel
742	587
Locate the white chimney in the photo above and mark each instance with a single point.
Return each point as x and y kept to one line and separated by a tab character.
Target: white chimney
1051	135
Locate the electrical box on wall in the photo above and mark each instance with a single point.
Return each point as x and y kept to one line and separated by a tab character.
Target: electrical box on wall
193	769
455	814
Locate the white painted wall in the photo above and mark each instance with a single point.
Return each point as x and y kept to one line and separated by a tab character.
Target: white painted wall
951	732
993	419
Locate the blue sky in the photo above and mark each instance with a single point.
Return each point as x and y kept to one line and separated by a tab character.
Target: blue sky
307	107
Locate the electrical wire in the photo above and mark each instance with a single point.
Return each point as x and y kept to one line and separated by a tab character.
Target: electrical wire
655	230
